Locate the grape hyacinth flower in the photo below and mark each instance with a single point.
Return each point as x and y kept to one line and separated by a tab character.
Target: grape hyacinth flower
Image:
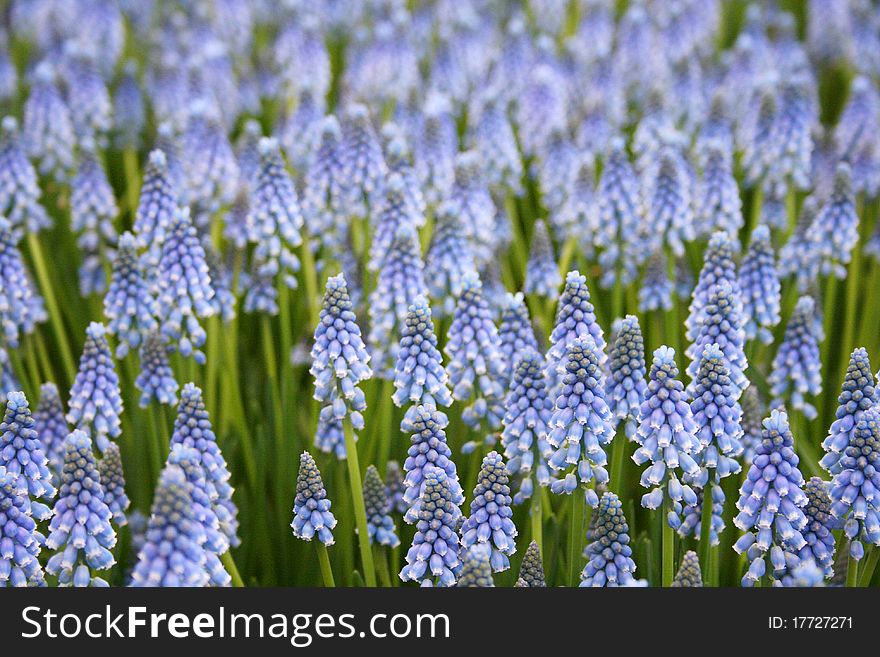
95	400
670	217
80	532
580	421
476	568
854	499
128	304
626	385
820	523
340	361
203	496
395	488
515	332
92	212
173	554
449	260
323	203
330	434
22	454
835	230
718	205
311	507
394	211
473	349
157	207
800	255
470	200
689	574
428	452
434	149
718	266
577	217
419	376
48	128
752	415
435	546
363	163
771	502
656	290
156	378
796	367
19	539
19	187
542	273
608	552
21	307
858	394
184	289
527	423
211	169
575	317
531	570
113	482
379	522
401	280
397	156
761	290
790	138
51	427
667	437
492	137
129	115
192	428
491	518
87	96
619	214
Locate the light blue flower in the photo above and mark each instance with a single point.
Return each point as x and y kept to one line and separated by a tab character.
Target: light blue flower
718	265
128	304
670	216
363	164
113	483
129	115
515	331
21	306
395	488
51	427
800	256
88	98
578	216
626	385
157	207
752	415
47	130
470	200
395	210
380	525
434	149
619	215
858	394
476	567
542	272
491	519
656	290
835	230
531	570
608	552
449	260
80	532
492	137
311	507
761	290
92	212
19	187
718	206
211	170
323	201
156	378
796	367
820	523
689	574
19	539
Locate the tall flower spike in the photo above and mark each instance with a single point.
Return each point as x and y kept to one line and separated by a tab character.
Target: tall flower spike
157	206
128	304
19	187
401	279
575	317
476	567
656	290
515	331
22	454
394	487
192	428
435	547
19	538
113	482
129	115
474	364
434	149
87	95
398	158
689	574
820	523
174	553
542	272
857	396
667	437
211	168
670	217
203	496
796	367
419	377
527	423
854	499
156	378
311	508
80	532
771	502
274	220
718	205
626	386
718	266
340	361
95	401
577	217
761	290
608	552
184	289
364	166
619	215
581	421
835	230
492	137
531	570
752	415
21	307
47	128
394	211
491	518
449	260
791	135
800	256
722	326
470	200
428	452
323	200
92	212
51	427
379	522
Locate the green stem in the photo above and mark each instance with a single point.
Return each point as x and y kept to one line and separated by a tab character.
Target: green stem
232	569
536	516
357	496
668	538
132	180
324	561
310	280
381	566
868	569
618	451
155	440
576	528
852	573
705	532
51	305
